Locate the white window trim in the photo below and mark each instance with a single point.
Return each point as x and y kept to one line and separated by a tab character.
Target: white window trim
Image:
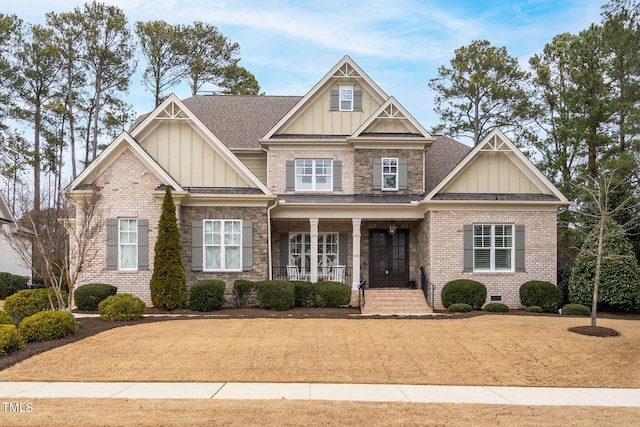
303	255
313	175
396	173
345	89
120	245
221	245
492	250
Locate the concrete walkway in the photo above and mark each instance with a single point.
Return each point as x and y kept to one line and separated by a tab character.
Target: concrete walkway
344	392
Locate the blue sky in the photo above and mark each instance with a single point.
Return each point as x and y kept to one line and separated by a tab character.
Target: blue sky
290	45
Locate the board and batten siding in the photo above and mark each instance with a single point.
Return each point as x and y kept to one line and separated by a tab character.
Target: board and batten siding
182	152
257	163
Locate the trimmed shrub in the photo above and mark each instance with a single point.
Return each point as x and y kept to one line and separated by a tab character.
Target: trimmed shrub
5	318
87	297
304	293
575	310
464	291
496	307
10	284
459	307
168	283
121	307
31	301
242	290
534	309
541	293
47	325
332	294
10	339
206	295
276	295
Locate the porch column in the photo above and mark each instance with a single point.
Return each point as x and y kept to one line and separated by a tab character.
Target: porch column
313	234
356	252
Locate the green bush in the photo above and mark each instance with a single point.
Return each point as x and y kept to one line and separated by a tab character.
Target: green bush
496	307
464	291
304	293
332	294
534	309
87	297
206	295
242	290
121	307
10	284
541	293
10	339
276	295
47	325
575	310
31	301
5	318
459	307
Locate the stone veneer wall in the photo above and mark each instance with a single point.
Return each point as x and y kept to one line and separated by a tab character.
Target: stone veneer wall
127	191
257	215
364	170
446	250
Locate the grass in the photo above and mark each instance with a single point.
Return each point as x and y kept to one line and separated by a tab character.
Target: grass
483	350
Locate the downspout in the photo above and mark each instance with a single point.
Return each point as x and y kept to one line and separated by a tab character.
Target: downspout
269	251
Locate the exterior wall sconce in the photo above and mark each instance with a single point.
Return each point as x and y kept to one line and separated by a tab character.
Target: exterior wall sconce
392	229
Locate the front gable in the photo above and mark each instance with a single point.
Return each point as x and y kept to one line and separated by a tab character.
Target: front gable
390	120
496	168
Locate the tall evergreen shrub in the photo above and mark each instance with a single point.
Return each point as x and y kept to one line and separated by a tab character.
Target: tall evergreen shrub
168	284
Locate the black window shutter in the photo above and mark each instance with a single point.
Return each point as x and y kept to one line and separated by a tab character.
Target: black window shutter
468	247
143	244
402	174
290	175
112	244
335	100
357	100
284	251
247	245
337	175
377	174
196	246
520	264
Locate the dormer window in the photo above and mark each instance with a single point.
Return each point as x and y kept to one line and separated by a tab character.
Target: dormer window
346	97
389	173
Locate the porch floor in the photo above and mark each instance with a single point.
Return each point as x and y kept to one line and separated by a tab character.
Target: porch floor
395	301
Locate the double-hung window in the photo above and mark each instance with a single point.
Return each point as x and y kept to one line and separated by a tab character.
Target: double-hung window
389	173
493	247
222	245
346	97
314	174
300	252
128	244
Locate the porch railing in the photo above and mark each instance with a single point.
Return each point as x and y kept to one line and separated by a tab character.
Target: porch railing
324	273
428	288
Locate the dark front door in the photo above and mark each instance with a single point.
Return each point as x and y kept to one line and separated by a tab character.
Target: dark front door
388	258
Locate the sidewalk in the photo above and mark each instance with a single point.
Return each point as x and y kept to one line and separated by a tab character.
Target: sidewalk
344	392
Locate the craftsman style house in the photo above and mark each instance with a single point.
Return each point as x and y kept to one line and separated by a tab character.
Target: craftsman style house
340	184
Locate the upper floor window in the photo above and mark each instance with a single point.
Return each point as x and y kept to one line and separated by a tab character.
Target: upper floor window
314	174
222	245
493	247
128	243
389	173
346	97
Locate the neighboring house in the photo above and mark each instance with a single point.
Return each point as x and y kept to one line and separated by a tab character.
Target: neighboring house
341	183
15	244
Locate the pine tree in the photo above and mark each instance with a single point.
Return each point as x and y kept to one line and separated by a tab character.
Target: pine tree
168	282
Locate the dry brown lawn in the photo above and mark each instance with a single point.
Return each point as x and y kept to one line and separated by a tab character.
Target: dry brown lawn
483	350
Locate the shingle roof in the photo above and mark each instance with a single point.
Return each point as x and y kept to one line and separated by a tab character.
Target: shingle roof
441	158
240	121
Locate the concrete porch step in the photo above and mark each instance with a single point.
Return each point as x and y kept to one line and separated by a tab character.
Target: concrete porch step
395	301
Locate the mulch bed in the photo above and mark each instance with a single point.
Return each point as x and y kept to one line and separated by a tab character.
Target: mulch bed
88	326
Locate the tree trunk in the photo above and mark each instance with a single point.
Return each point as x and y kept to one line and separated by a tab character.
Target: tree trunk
596	279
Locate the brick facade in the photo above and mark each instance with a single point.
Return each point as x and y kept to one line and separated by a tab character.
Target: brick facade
445	250
364	170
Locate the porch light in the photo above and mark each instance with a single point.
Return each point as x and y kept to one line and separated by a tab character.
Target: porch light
392	229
